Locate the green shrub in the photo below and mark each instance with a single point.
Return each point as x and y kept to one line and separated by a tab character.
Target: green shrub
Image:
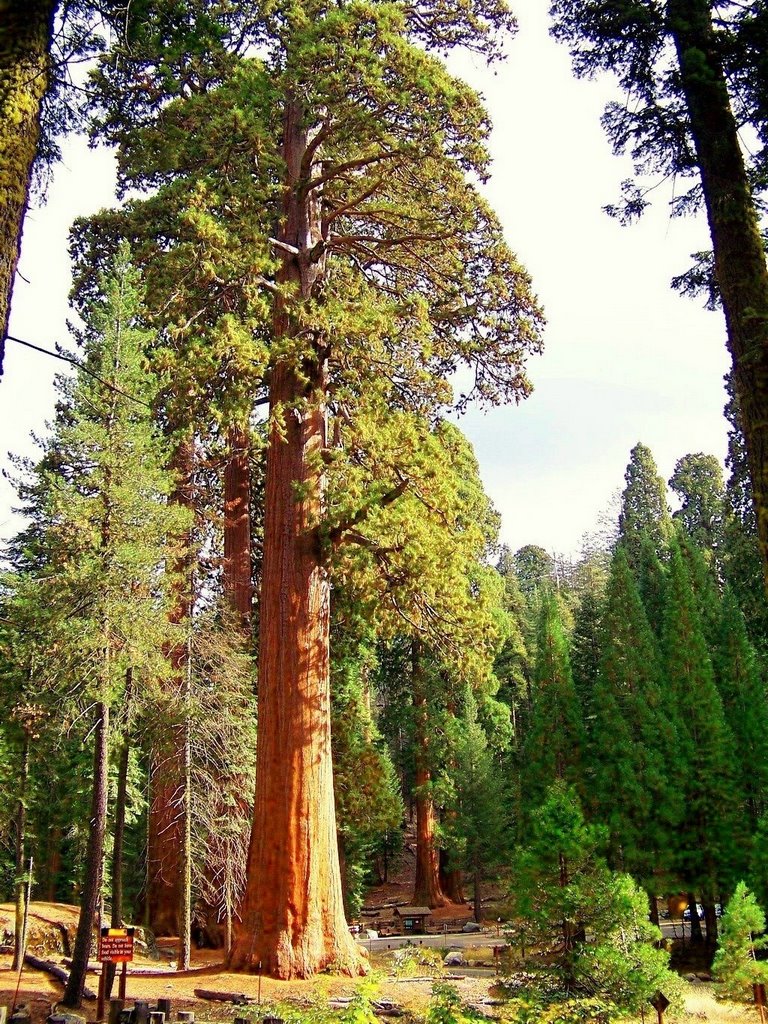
734	966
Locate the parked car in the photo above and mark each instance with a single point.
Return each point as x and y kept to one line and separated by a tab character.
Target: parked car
471	926
699	913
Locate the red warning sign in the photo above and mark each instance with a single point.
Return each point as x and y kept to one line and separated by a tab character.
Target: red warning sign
116	945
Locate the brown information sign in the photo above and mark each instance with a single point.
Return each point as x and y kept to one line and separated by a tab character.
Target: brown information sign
116	945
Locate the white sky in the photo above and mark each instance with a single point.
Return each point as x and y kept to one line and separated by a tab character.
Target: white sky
626	358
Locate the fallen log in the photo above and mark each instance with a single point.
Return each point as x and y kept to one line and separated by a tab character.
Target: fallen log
238	998
55	971
382	1009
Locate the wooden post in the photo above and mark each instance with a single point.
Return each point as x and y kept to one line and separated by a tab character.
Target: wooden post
115	1009
659	1003
102	991
123	979
141	1012
164	1006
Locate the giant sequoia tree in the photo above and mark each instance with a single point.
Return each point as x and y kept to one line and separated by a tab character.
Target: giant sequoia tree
686	66
318	227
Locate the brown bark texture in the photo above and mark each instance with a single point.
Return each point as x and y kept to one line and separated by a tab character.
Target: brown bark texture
292	916
89	898
166	809
740	265
427	891
238	587
26	30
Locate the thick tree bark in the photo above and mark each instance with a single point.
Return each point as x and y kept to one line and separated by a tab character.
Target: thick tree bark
26	30
238	588
89	899
292	914
740	265
427	891
166	810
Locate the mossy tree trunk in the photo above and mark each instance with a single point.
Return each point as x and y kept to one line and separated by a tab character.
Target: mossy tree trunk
740	265
26	30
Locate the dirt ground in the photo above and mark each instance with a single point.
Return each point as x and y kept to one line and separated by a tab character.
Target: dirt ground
41	993
51	933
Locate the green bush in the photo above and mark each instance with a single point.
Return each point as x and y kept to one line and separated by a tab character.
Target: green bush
735	967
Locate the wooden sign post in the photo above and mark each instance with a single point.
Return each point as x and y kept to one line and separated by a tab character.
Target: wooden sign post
115	947
660	1003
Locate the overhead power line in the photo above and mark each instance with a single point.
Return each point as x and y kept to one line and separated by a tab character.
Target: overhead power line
80	366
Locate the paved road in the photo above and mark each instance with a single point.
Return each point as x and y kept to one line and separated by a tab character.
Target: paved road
461	940
451	940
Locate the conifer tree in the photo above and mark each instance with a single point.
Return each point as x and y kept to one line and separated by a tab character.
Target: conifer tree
735	965
743	695
644	509
586	645
711	831
633	742
698	482
651	576
101	533
376	285
554	741
480	834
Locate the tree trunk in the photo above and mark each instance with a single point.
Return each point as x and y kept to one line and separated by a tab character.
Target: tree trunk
89	898
166	818
185	881
238	588
710	919
118	842
653	906
292	915
26	27
53	863
427	891
476	877
451	880
696	932
740	265
21	839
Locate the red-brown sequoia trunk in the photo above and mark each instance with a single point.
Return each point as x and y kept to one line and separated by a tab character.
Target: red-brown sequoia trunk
166	809
237	528
740	265
451	880
292	915
427	891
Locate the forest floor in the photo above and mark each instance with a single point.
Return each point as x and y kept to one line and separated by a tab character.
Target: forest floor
51	935
41	992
